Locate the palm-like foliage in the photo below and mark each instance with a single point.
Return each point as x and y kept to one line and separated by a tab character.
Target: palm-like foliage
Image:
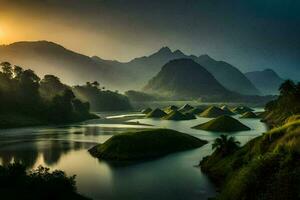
225	144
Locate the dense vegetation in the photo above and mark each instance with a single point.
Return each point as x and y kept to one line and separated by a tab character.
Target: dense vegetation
286	105
145	145
101	99
267	167
16	183
25	99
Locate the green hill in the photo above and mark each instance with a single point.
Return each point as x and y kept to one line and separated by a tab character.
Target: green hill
177	116
226	108
242	109
249	115
157	113
185	108
213	111
170	109
146	110
265	168
194	111
145	145
223	124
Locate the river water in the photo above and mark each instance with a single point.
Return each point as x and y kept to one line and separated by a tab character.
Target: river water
65	147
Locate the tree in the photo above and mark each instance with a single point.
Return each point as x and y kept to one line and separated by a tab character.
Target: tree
96	84
287	88
7	69
225	145
17	71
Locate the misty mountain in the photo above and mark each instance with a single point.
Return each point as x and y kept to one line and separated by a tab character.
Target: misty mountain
267	81
228	75
145	67
74	68
185	78
49	58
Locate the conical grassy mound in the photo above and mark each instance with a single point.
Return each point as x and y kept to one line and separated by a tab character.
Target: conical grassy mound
223	124
146	111
242	109
225	108
185	108
214	111
194	111
144	145
249	115
177	116
157	113
171	108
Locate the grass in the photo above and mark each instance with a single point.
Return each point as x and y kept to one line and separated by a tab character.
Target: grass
157	113
177	116
145	145
214	111
267	167
249	115
223	124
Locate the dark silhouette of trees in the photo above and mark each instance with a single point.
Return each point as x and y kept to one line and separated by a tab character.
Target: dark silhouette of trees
16	183
24	94
286	105
100	99
225	144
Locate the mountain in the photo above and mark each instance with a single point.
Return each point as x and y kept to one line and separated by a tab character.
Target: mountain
143	68
228	75
50	58
267	81
147	66
184	78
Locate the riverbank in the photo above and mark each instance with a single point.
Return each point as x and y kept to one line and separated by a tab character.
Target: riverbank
16	120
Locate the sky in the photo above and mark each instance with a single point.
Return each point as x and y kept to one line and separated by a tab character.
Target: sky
252	35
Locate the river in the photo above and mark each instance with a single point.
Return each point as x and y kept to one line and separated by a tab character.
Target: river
65	147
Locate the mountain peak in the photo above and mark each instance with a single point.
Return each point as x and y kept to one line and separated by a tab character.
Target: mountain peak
165	50
178	53
205	57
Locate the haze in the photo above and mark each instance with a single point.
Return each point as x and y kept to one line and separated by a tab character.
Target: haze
251	35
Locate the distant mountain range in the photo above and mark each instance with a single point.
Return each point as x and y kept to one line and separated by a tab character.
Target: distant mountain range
50	58
267	81
184	78
146	67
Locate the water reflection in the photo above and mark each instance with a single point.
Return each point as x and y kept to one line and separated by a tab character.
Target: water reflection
49	150
65	147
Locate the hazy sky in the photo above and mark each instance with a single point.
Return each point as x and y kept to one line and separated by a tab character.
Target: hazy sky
254	34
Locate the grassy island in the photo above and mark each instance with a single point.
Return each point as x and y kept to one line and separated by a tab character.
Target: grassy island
157	113
145	145
223	124
249	115
178	116
213	111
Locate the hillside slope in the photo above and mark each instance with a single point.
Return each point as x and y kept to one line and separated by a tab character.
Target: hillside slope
267	81
185	78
